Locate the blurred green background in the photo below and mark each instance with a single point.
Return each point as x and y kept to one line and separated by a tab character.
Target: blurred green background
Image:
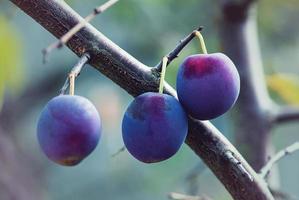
148	30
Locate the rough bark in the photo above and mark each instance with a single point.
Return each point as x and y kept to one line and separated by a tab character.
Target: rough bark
285	114
133	76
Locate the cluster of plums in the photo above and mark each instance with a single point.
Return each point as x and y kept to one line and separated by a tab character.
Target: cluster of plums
154	125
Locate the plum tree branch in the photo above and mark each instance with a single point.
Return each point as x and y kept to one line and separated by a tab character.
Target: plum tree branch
76	71
286	114
238	32
122	149
175	52
281	154
236	11
242	182
76	28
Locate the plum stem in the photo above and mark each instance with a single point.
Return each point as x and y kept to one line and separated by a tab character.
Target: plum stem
265	171
72	83
163	72
70	80
175	52
202	42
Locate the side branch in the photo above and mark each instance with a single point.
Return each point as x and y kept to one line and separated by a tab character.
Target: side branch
65	38
75	71
281	154
286	114
174	53
136	78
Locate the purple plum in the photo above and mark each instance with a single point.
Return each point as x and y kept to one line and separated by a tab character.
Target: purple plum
208	85
69	129
154	127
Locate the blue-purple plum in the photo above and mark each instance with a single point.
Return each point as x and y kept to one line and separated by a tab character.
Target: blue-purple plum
154	127
69	129
208	85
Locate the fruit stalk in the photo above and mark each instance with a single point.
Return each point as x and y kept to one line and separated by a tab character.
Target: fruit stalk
72	83
175	52
164	64
75	71
202	42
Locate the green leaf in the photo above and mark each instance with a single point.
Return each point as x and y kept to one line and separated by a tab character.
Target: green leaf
286	86
10	57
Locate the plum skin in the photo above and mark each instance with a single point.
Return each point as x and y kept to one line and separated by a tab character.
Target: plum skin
208	85
154	127
69	129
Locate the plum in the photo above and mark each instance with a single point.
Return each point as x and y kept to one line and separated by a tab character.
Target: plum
69	129
154	127
208	85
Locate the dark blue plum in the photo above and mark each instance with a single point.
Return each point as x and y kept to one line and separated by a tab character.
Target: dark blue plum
208	85
68	130
154	127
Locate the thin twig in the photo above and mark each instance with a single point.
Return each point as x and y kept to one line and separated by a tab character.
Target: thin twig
287	151
66	37
179	196
75	71
174	53
193	176
119	151
286	114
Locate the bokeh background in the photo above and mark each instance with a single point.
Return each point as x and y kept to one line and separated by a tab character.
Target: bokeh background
147	29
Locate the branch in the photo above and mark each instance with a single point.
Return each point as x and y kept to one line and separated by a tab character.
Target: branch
122	149
136	78
175	52
195	171
238	34
236	11
281	154
192	181
286	114
66	37
76	71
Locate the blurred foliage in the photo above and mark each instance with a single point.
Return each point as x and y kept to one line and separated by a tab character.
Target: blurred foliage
10	57
286	86
276	19
150	29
